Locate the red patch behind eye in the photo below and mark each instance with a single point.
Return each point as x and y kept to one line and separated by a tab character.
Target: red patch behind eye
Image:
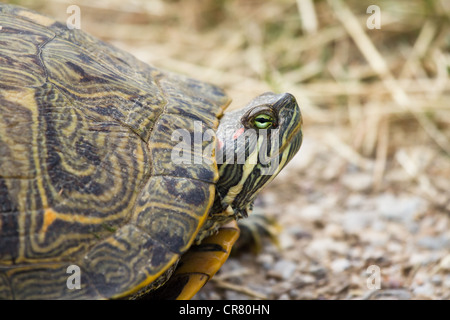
220	143
238	133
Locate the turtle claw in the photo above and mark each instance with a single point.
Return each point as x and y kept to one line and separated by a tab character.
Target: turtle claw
254	231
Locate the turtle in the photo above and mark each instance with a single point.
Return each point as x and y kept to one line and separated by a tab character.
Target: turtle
117	177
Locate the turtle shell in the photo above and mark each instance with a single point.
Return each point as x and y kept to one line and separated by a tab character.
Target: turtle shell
87	185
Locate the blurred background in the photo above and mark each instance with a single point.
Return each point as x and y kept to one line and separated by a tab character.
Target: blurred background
371	183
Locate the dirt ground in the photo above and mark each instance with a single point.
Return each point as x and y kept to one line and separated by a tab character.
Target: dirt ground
364	209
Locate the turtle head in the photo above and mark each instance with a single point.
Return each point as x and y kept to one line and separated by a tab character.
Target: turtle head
253	145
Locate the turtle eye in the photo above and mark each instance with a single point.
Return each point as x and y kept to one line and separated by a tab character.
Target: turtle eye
263	121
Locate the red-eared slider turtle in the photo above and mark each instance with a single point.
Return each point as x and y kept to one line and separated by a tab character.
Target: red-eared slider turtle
99	196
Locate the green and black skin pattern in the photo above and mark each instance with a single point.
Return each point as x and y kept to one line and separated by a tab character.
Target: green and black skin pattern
86	176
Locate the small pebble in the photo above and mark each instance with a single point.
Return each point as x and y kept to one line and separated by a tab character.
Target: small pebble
284	268
434	243
312	212
445	263
401	209
340	265
425	290
284	296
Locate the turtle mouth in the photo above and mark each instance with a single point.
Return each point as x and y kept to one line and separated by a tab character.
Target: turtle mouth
293	136
295	139
291	123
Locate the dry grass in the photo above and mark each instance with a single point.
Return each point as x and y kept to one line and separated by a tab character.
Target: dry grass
378	100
